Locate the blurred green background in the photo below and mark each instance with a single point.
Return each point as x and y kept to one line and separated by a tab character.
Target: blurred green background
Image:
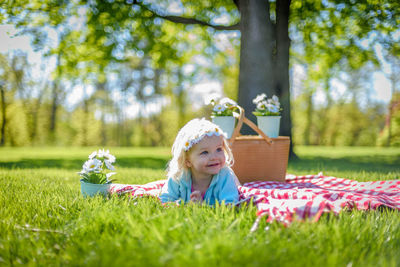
131	73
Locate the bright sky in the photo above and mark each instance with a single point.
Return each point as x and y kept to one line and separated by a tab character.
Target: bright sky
8	43
381	91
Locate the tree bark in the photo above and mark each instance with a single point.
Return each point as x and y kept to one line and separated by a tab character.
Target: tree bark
54	103
102	95
181	99
35	116
309	113
85	119
53	112
256	74
282	85
393	82
264	58
3	113
282	63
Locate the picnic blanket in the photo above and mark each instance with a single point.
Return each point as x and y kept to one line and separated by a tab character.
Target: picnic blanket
299	197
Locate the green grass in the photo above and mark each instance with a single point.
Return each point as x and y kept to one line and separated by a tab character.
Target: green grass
44	220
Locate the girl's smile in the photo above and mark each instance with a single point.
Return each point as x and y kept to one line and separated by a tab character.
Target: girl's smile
206	158
200	153
213	165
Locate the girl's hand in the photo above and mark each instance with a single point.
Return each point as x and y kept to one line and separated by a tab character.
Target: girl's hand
195	196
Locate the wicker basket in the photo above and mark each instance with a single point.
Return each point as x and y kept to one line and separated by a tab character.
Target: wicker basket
258	158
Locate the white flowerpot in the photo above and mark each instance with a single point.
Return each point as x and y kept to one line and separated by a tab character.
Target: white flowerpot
226	123
269	125
89	189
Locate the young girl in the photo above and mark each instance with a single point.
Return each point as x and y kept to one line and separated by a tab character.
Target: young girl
199	170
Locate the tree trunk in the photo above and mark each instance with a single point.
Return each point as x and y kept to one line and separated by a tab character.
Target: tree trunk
260	70
325	119
181	100
35	116
392	79
102	96
389	124
3	113
309	112
54	103
103	130
53	111
282	86
157	92
256	74
85	120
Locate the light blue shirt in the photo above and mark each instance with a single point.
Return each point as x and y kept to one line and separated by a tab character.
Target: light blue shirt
223	187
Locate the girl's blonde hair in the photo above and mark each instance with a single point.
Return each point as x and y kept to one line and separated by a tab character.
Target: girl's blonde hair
190	134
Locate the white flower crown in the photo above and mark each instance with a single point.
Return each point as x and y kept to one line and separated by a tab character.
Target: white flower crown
197	138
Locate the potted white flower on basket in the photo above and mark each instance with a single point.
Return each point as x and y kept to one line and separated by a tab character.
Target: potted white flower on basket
268	113
96	173
222	114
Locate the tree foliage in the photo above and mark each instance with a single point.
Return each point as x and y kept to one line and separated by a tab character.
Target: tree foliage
157	51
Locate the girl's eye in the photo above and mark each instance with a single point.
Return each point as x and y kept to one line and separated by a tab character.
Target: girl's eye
219	149
204	153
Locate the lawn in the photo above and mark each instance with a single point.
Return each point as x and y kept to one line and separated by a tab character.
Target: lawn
44	220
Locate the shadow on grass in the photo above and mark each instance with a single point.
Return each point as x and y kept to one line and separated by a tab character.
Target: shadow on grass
76	164
373	163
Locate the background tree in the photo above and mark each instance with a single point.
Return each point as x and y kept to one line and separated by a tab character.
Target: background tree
392	49
13	79
327	34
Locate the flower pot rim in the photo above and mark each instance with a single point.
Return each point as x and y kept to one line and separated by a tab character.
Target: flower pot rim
83	181
268	115
213	116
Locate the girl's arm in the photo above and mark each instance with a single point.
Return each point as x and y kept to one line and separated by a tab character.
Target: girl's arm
170	191
229	192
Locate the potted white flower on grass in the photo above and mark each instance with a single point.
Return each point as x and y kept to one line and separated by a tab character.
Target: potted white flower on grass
96	173
268	113
222	114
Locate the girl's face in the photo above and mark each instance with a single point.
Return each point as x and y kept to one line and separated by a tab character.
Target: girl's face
207	157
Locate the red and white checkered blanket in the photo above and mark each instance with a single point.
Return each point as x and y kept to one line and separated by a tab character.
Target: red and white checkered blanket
300	197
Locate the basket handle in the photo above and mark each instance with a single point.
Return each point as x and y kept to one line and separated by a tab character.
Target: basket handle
241	119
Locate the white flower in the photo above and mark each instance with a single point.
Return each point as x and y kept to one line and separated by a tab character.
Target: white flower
109	165
211	98
97	167
267	107
187	145
272	102
219	108
109	157
275	99
101	153
259	98
272	108
93	155
92	165
108	175
227	101
106	155
275	109
261	105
